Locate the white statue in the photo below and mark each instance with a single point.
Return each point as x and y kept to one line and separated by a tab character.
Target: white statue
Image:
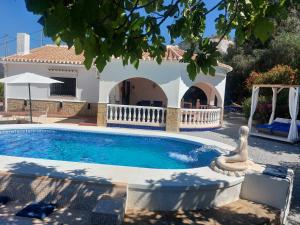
236	163
240	154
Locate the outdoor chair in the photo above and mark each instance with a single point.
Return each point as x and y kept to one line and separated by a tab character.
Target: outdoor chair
43	116
187	105
144	103
157	104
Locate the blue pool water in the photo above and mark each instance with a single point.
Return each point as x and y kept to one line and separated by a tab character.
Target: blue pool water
112	149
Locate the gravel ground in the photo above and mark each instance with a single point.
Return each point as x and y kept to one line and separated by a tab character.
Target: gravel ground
263	151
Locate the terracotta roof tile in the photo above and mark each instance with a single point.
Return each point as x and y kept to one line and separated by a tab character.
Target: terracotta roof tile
49	54
63	55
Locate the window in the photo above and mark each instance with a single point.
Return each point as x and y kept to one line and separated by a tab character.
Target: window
67	88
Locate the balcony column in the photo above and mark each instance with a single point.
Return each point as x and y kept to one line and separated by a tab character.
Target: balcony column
173	119
222	117
102	115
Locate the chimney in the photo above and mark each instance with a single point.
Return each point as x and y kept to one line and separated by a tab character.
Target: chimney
23	44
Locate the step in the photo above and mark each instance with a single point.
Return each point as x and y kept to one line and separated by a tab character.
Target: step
109	210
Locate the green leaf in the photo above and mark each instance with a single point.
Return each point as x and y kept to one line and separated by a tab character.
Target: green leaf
100	63
204	69
212	71
240	36
159	59
263	29
57	40
191	69
78	47
136	63
102	29
88	59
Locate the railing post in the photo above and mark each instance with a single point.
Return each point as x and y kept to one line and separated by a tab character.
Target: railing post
158	116
102	114
173	119
144	115
163	116
125	113
221	115
129	114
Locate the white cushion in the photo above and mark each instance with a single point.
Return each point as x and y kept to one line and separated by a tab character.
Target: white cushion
284	120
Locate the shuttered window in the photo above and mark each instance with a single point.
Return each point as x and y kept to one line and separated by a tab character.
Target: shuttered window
67	88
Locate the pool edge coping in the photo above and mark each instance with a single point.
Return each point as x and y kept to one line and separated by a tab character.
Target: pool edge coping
139	181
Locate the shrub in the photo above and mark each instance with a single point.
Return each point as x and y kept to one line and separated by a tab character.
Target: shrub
280	74
263	109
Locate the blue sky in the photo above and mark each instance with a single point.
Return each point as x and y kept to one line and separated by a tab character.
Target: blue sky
15	18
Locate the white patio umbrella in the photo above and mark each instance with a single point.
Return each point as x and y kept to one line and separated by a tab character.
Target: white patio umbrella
28	78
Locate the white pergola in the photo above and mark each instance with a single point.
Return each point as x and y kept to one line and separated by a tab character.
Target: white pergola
294	97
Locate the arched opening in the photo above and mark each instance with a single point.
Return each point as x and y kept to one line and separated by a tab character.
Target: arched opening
201	107
138	102
193	98
201	95
138	91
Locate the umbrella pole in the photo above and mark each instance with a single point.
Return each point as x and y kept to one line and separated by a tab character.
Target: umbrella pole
30	109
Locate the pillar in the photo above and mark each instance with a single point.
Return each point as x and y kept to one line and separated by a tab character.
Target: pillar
222	117
173	119
102	114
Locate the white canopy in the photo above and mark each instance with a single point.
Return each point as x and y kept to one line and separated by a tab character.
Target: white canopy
28	78
293	103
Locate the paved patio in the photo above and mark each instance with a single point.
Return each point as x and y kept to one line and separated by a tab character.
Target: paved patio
241	212
263	151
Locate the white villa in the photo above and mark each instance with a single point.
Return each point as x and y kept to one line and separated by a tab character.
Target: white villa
155	96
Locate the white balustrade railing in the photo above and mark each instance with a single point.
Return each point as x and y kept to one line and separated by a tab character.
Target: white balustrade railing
136	115
200	118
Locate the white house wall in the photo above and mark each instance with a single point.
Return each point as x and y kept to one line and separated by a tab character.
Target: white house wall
171	76
87	84
165	75
146	90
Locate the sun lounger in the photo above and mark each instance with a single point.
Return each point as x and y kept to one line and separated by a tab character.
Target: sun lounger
279	127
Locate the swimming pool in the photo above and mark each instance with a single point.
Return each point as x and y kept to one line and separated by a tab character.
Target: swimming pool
162	171
106	148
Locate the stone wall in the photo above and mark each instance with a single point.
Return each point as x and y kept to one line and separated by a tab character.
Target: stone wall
63	108
72	193
102	114
173	119
15	105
